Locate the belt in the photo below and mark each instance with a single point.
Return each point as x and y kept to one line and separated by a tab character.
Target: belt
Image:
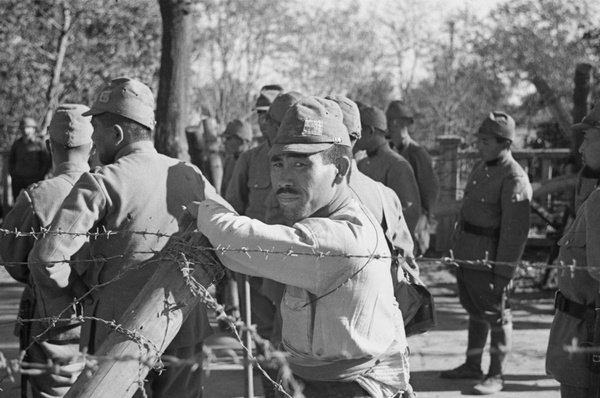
573	308
482	231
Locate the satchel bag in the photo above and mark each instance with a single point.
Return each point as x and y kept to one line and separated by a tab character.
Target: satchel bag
415	302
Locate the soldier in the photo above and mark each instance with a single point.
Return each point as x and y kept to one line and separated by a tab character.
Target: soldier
137	190
579	288
28	160
384	165
247	192
70	143
399	118
341	327
237	138
493	225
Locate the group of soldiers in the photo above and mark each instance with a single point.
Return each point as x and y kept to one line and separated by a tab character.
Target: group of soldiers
327	229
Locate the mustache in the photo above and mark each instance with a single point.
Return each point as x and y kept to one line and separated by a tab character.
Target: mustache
287	190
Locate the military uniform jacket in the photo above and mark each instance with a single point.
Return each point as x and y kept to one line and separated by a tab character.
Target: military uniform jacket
393	171
141	191
34	209
250	183
228	166
579	248
28	160
496	197
340	318
427	179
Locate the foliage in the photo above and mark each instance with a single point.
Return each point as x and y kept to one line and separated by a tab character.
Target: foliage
105	44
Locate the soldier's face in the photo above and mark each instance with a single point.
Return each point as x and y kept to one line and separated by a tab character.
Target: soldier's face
398	130
303	184
234	145
104	140
489	148
590	148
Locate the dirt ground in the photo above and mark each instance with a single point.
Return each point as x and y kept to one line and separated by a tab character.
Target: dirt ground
439	349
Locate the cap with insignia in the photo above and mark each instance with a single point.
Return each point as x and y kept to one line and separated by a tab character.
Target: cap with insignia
69	127
311	125
499	125
350	113
126	97
266	97
238	128
592	120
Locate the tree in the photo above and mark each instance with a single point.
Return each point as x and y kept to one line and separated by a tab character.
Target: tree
173	92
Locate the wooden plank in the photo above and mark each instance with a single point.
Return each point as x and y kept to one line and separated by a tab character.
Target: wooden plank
153	319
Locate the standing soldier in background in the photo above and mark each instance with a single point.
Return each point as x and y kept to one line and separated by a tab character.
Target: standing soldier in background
578	297
237	138
493	225
247	192
70	143
384	165
28	160
399	118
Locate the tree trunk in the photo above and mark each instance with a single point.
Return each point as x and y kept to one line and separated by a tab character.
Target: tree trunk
581	95
52	93
172	103
556	106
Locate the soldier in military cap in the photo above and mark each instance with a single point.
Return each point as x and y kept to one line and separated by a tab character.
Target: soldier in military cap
341	327
248	192
384	165
578	299
399	119
237	138
70	142
28	159
137	190
493	225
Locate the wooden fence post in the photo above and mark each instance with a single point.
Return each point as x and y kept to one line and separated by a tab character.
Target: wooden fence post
448	171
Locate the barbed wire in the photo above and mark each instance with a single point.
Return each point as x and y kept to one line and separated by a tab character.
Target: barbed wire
159	361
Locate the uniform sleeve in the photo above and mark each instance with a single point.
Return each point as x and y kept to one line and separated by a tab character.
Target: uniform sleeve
84	206
237	189
401	180
592	234
305	271
427	180
514	226
13	248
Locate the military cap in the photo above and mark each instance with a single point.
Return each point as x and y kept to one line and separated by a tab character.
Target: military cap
238	128
281	104
69	127
311	125
398	109
373	117
499	125
28	122
128	98
350	113
592	120
266	96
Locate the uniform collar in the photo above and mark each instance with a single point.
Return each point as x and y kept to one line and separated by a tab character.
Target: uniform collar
70	167
503	159
136	147
379	150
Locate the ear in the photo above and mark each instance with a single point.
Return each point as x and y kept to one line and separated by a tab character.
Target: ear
343	167
119	134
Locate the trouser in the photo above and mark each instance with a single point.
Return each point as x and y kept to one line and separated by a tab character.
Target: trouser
55	384
181	381
326	389
488	310
567	391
